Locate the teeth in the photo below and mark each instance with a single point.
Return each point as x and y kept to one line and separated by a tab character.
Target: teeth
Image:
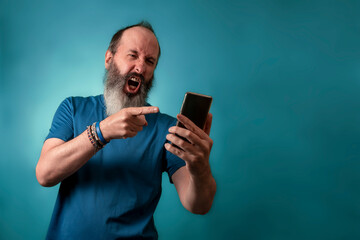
134	79
133	83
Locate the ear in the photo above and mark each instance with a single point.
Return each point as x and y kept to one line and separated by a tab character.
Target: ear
108	59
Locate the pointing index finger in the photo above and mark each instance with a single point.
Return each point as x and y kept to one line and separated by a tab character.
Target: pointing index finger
135	111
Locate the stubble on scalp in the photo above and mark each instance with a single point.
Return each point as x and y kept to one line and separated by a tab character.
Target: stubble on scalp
114	95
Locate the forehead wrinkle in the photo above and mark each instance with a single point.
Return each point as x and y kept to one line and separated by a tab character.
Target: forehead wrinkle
132	36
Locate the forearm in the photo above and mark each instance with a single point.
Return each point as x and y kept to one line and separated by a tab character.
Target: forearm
58	160
200	194
196	192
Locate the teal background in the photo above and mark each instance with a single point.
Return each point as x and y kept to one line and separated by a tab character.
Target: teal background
285	78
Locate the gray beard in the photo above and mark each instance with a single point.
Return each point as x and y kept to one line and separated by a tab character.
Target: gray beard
114	95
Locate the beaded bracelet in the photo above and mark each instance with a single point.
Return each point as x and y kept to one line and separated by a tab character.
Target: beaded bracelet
91	138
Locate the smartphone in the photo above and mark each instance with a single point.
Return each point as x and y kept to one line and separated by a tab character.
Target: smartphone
196	107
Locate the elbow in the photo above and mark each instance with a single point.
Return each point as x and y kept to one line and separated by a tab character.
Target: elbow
43	177
201	210
45	183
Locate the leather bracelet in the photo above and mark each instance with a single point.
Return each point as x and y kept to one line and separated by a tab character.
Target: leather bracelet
98	132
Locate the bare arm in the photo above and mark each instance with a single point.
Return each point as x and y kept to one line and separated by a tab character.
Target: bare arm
60	159
194	182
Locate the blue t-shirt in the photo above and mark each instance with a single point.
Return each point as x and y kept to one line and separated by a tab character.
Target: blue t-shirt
114	195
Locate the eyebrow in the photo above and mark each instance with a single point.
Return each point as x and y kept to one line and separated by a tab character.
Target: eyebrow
133	51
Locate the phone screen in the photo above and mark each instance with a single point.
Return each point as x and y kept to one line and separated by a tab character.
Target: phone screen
195	107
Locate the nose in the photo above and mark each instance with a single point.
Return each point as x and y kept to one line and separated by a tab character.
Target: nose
140	67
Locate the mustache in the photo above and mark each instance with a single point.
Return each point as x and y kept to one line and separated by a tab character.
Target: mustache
133	74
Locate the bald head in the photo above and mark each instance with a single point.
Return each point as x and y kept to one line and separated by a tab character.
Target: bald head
118	35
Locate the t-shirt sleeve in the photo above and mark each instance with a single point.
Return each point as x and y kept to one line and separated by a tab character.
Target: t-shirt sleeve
172	162
62	124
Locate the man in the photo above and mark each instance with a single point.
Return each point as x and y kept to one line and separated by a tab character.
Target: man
109	151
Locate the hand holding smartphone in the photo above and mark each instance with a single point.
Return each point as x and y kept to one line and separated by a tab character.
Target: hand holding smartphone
196	107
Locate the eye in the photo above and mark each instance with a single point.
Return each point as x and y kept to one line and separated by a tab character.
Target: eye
150	61
132	55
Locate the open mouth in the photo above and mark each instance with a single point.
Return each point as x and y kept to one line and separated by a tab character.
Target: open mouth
132	85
